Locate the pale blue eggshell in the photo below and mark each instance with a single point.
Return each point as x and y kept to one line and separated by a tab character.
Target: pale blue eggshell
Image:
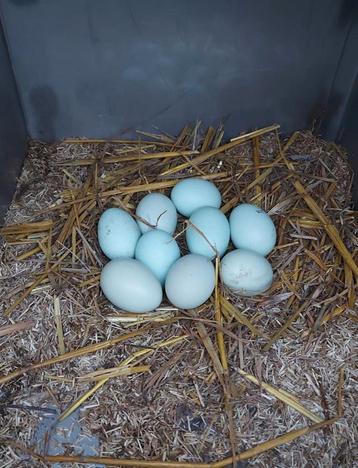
131	286
251	228
190	281
246	272
158	251
191	194
159	211
214	225
118	233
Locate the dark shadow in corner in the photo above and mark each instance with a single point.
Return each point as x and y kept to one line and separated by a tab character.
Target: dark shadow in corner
45	107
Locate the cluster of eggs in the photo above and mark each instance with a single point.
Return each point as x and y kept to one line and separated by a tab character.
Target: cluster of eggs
145	257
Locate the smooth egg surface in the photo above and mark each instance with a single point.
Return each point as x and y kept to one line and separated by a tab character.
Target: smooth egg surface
212	230
190	281
251	228
158	251
130	285
159	211
191	194
118	233
246	272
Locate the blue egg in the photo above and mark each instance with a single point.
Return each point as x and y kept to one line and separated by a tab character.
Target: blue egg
159	211
189	195
246	272
214	226
252	228
131	286
190	281
118	233
158	251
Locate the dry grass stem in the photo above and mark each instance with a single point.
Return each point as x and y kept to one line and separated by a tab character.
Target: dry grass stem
283	396
16	327
58	322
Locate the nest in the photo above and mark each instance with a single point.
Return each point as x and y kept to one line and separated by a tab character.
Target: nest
268	379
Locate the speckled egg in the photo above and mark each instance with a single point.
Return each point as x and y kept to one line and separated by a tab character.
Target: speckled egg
118	233
190	281
130	285
191	194
159	211
158	251
211	223
246	272
251	228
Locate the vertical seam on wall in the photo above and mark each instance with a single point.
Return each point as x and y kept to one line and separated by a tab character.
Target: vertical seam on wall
346	106
18	94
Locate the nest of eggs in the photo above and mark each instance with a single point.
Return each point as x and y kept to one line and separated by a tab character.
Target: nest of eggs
267	379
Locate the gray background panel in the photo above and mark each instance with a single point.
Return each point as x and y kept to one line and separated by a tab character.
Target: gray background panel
98	68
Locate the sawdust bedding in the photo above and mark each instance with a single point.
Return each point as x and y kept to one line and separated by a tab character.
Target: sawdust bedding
179	409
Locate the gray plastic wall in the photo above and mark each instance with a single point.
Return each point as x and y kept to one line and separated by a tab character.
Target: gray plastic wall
346	84
100	68
104	68
13	134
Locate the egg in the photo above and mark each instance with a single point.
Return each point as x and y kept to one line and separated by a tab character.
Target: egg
159	211
251	228
118	233
158	251
246	272
191	194
212	223
190	281
130	285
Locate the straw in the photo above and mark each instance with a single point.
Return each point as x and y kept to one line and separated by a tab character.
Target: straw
265	446
283	396
16	327
58	322
79	402
246	455
195	387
